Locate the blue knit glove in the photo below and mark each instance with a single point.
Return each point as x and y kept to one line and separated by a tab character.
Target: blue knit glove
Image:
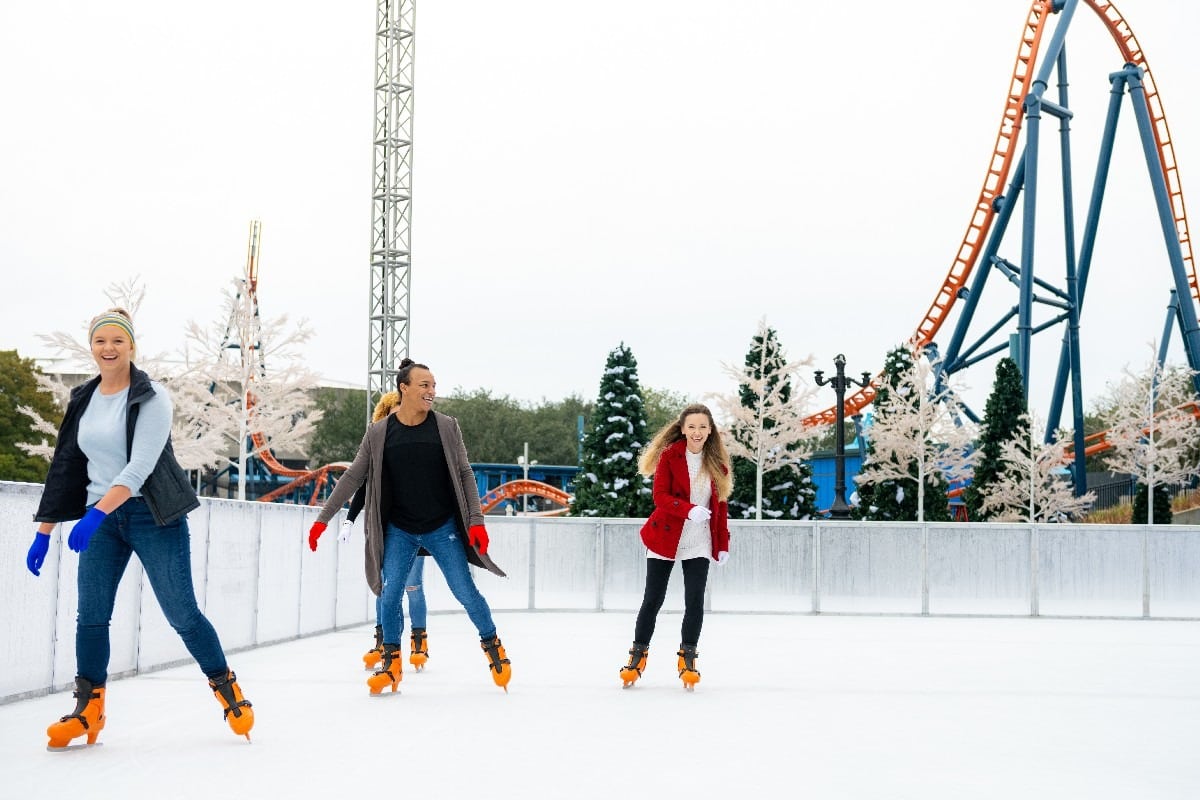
81	534
37	553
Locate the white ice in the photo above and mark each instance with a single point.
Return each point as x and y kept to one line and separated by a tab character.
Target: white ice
788	707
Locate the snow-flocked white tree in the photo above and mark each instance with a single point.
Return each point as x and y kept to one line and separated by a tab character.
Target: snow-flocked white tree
915	434
257	398
1036	485
769	429
1153	429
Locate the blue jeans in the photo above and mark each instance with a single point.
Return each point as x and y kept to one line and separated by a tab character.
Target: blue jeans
165	554
416	597
445	547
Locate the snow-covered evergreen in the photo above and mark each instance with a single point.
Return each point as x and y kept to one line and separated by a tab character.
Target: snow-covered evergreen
608	483
1001	420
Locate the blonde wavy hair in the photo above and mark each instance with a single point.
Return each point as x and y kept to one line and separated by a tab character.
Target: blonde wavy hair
386	405
716	457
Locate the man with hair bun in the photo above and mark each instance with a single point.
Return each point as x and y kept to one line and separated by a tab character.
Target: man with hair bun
420	493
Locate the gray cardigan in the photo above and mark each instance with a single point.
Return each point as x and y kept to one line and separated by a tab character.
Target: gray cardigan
368	468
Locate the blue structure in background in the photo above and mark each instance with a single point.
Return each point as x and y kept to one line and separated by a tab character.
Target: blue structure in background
824	474
490	476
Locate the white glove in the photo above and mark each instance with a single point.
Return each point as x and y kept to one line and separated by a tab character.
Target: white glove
722	557
347	529
699	514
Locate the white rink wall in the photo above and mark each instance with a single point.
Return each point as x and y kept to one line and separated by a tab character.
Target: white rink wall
258	582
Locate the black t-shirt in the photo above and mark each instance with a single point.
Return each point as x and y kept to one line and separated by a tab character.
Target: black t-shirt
415	472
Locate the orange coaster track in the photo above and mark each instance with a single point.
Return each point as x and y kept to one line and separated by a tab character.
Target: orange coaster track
514	489
319	478
1001	161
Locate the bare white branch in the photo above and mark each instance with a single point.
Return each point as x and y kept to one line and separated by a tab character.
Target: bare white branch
916	430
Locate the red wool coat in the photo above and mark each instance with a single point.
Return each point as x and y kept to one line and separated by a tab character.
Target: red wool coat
672	502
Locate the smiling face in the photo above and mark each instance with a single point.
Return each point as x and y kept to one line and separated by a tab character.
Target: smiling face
112	350
419	392
695	429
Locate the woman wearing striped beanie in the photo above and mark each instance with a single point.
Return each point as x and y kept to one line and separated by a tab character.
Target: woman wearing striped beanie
114	470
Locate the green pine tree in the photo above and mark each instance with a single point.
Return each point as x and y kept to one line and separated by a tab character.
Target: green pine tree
892	499
608	483
18	387
1001	419
788	492
1162	505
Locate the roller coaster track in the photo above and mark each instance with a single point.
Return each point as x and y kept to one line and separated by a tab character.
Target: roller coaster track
514	489
318	478
1098	442
1004	153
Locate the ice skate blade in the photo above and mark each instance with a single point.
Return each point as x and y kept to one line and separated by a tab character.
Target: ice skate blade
689	687
378	695
66	747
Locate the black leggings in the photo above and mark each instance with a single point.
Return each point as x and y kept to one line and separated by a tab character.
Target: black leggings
658	574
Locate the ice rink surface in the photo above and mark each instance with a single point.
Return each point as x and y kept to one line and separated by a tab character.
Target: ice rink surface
788	707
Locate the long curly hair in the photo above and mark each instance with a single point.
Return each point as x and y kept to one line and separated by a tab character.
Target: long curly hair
716	457
386	405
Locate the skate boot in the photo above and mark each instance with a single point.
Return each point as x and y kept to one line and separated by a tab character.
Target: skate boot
390	672
373	656
237	708
88	718
497	661
637	662
418	648
687	666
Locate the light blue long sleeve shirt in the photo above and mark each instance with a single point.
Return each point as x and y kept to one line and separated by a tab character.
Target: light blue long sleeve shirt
102	439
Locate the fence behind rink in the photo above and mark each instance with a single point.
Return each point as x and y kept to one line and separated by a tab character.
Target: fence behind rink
258	582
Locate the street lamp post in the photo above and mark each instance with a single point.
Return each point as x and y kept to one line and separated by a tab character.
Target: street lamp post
840	508
524	462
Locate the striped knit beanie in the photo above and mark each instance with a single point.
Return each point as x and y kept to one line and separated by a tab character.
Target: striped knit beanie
112	318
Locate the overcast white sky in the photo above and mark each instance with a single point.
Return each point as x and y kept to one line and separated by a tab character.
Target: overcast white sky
658	172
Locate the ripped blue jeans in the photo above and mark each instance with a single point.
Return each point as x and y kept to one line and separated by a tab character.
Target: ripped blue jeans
447	549
414	588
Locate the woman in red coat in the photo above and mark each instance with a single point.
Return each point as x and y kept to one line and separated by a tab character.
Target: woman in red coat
690	524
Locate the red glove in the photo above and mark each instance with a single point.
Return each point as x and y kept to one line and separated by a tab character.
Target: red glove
314	533
478	538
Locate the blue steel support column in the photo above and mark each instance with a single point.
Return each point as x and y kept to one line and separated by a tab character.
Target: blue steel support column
1080	482
1033	118
1033	102
1005	205
1088	247
1189	328
1172	312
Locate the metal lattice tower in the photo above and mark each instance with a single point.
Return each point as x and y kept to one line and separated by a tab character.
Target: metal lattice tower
391	197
